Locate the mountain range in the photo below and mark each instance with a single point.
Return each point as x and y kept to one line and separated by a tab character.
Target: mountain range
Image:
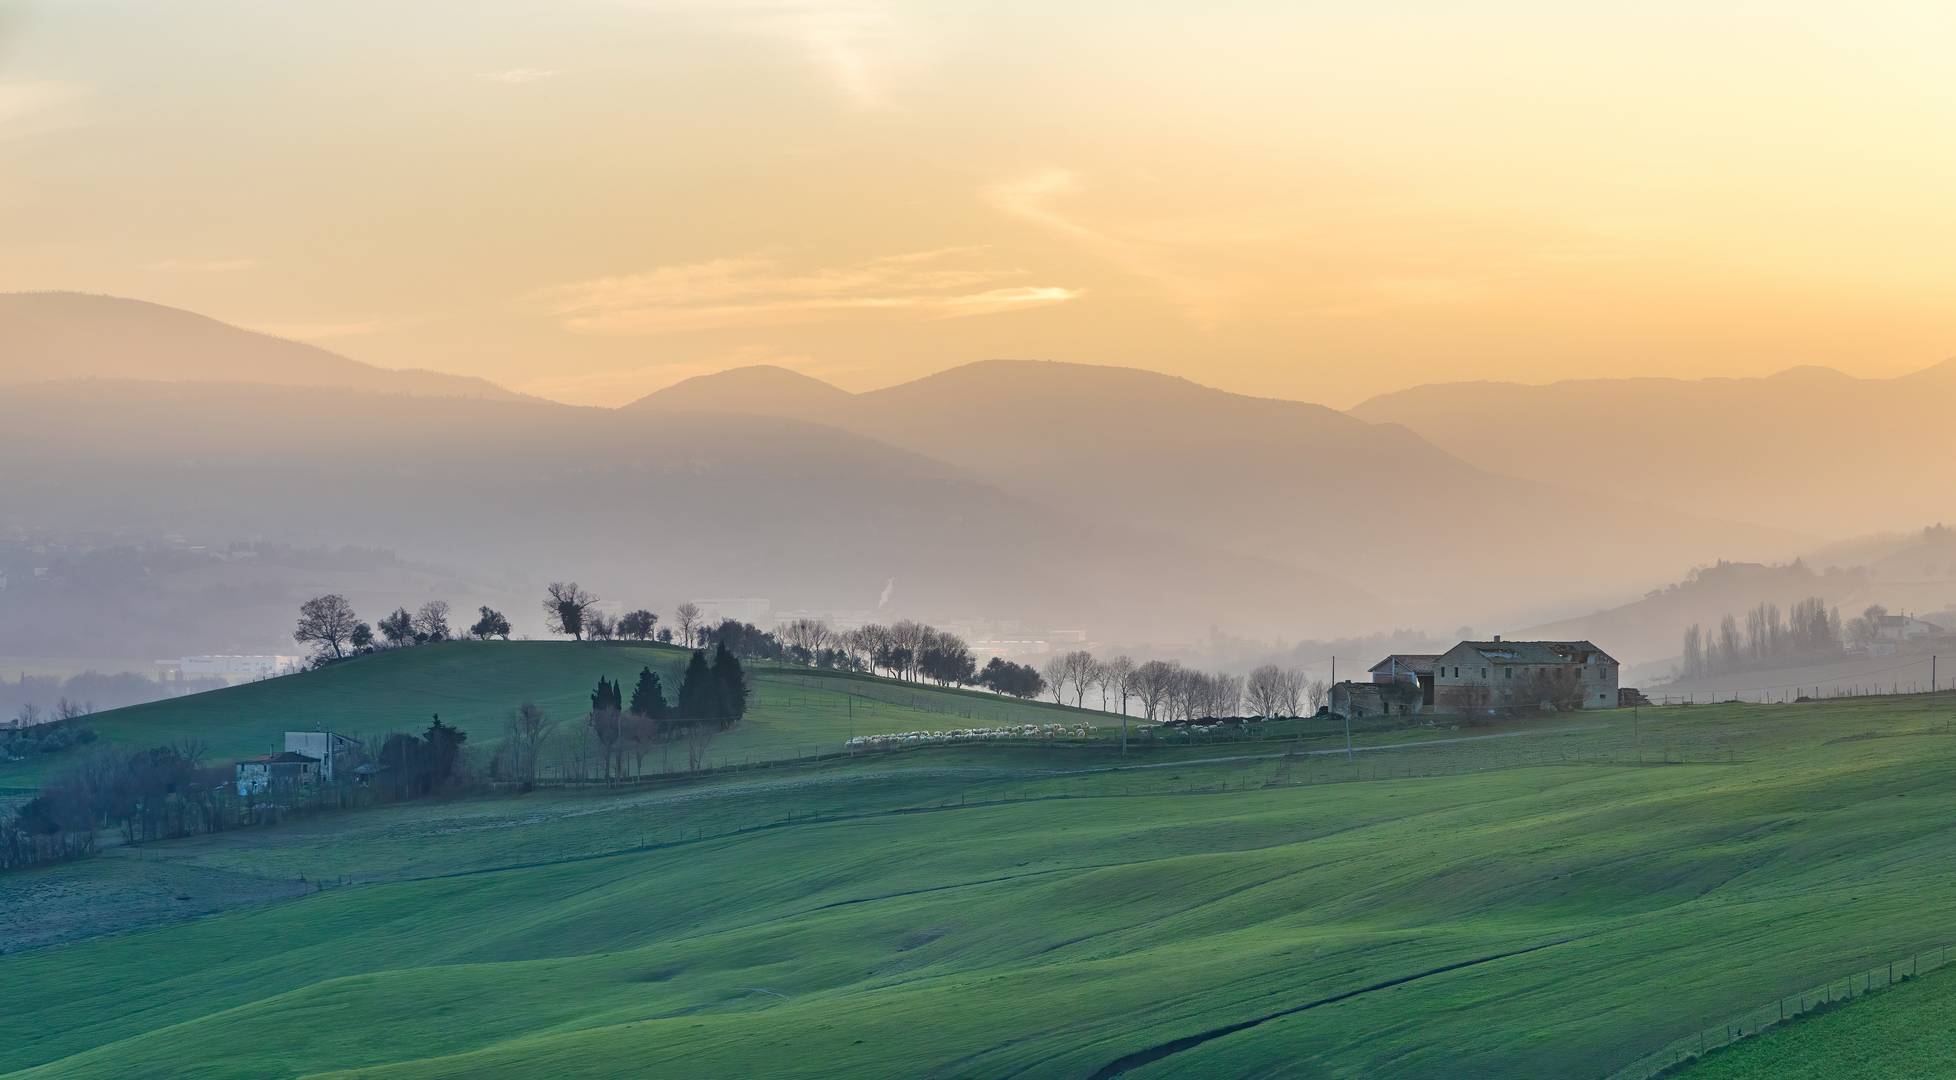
1139	506
1791	451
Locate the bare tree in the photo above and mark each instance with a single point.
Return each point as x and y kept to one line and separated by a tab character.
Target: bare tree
1153	683
1082	670
1293	695
565	604
608	727
688	615
431	622
599	627
908	639
810	636
699	739
326	622
529	729
1056	672
1120	673
1318	693
1265	691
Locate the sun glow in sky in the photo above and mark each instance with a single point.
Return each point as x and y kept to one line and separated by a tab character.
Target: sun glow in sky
589	199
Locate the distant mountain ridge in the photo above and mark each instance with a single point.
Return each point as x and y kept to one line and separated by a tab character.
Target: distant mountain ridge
1285	481
1807	445
1041	493
57	335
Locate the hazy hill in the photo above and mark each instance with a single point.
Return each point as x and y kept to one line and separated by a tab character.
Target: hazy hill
1279	480
1652	628
75	335
1807	449
692	504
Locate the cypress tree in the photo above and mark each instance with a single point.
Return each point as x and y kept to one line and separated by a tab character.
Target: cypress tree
699	692
649	696
608	697
732	684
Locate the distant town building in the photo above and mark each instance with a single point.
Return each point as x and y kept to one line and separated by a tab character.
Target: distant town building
325	747
232	669
282	772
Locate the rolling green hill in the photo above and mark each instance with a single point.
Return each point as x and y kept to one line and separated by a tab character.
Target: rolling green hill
474	685
1532	903
1904	1031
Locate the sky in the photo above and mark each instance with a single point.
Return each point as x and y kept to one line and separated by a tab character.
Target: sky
591	199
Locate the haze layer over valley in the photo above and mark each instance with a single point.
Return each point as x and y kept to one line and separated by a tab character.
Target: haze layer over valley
1135	506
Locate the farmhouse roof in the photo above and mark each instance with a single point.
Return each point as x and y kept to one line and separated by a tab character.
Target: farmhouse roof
288	757
1417	663
1537	652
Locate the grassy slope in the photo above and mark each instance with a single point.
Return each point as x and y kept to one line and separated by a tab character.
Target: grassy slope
475	685
1906	1031
1596	911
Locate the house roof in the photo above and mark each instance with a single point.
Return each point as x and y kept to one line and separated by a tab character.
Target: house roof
1536	652
288	757
1417	663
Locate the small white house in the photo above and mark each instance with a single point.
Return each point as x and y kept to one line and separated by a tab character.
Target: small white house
284	771
1904	628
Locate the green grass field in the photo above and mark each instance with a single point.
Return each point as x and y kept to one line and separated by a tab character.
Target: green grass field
1906	1031
474	685
1533	902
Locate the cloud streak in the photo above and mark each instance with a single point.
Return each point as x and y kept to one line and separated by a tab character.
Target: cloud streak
763	291
857	45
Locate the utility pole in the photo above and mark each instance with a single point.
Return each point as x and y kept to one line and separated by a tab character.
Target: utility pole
1348	709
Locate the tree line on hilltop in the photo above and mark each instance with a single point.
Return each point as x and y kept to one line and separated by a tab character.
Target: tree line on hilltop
1764	637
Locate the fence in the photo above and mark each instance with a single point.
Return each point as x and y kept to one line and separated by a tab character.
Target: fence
1761	1018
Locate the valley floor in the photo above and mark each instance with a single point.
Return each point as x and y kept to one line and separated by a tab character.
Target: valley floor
1559	903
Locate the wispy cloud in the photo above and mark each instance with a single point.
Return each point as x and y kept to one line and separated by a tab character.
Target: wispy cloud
860	46
516	75
763	291
1205	293
202	266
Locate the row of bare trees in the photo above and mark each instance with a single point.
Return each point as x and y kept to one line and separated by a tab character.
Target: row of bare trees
1809	633
1166	691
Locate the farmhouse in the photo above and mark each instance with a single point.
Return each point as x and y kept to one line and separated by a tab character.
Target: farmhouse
1902	628
282	771
1487	676
1415	669
1387	698
326	747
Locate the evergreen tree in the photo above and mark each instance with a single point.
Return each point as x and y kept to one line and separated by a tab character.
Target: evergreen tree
699	691
649	696
608	697
732	684
444	743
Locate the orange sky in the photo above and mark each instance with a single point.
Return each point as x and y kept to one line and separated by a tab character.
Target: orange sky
589	199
